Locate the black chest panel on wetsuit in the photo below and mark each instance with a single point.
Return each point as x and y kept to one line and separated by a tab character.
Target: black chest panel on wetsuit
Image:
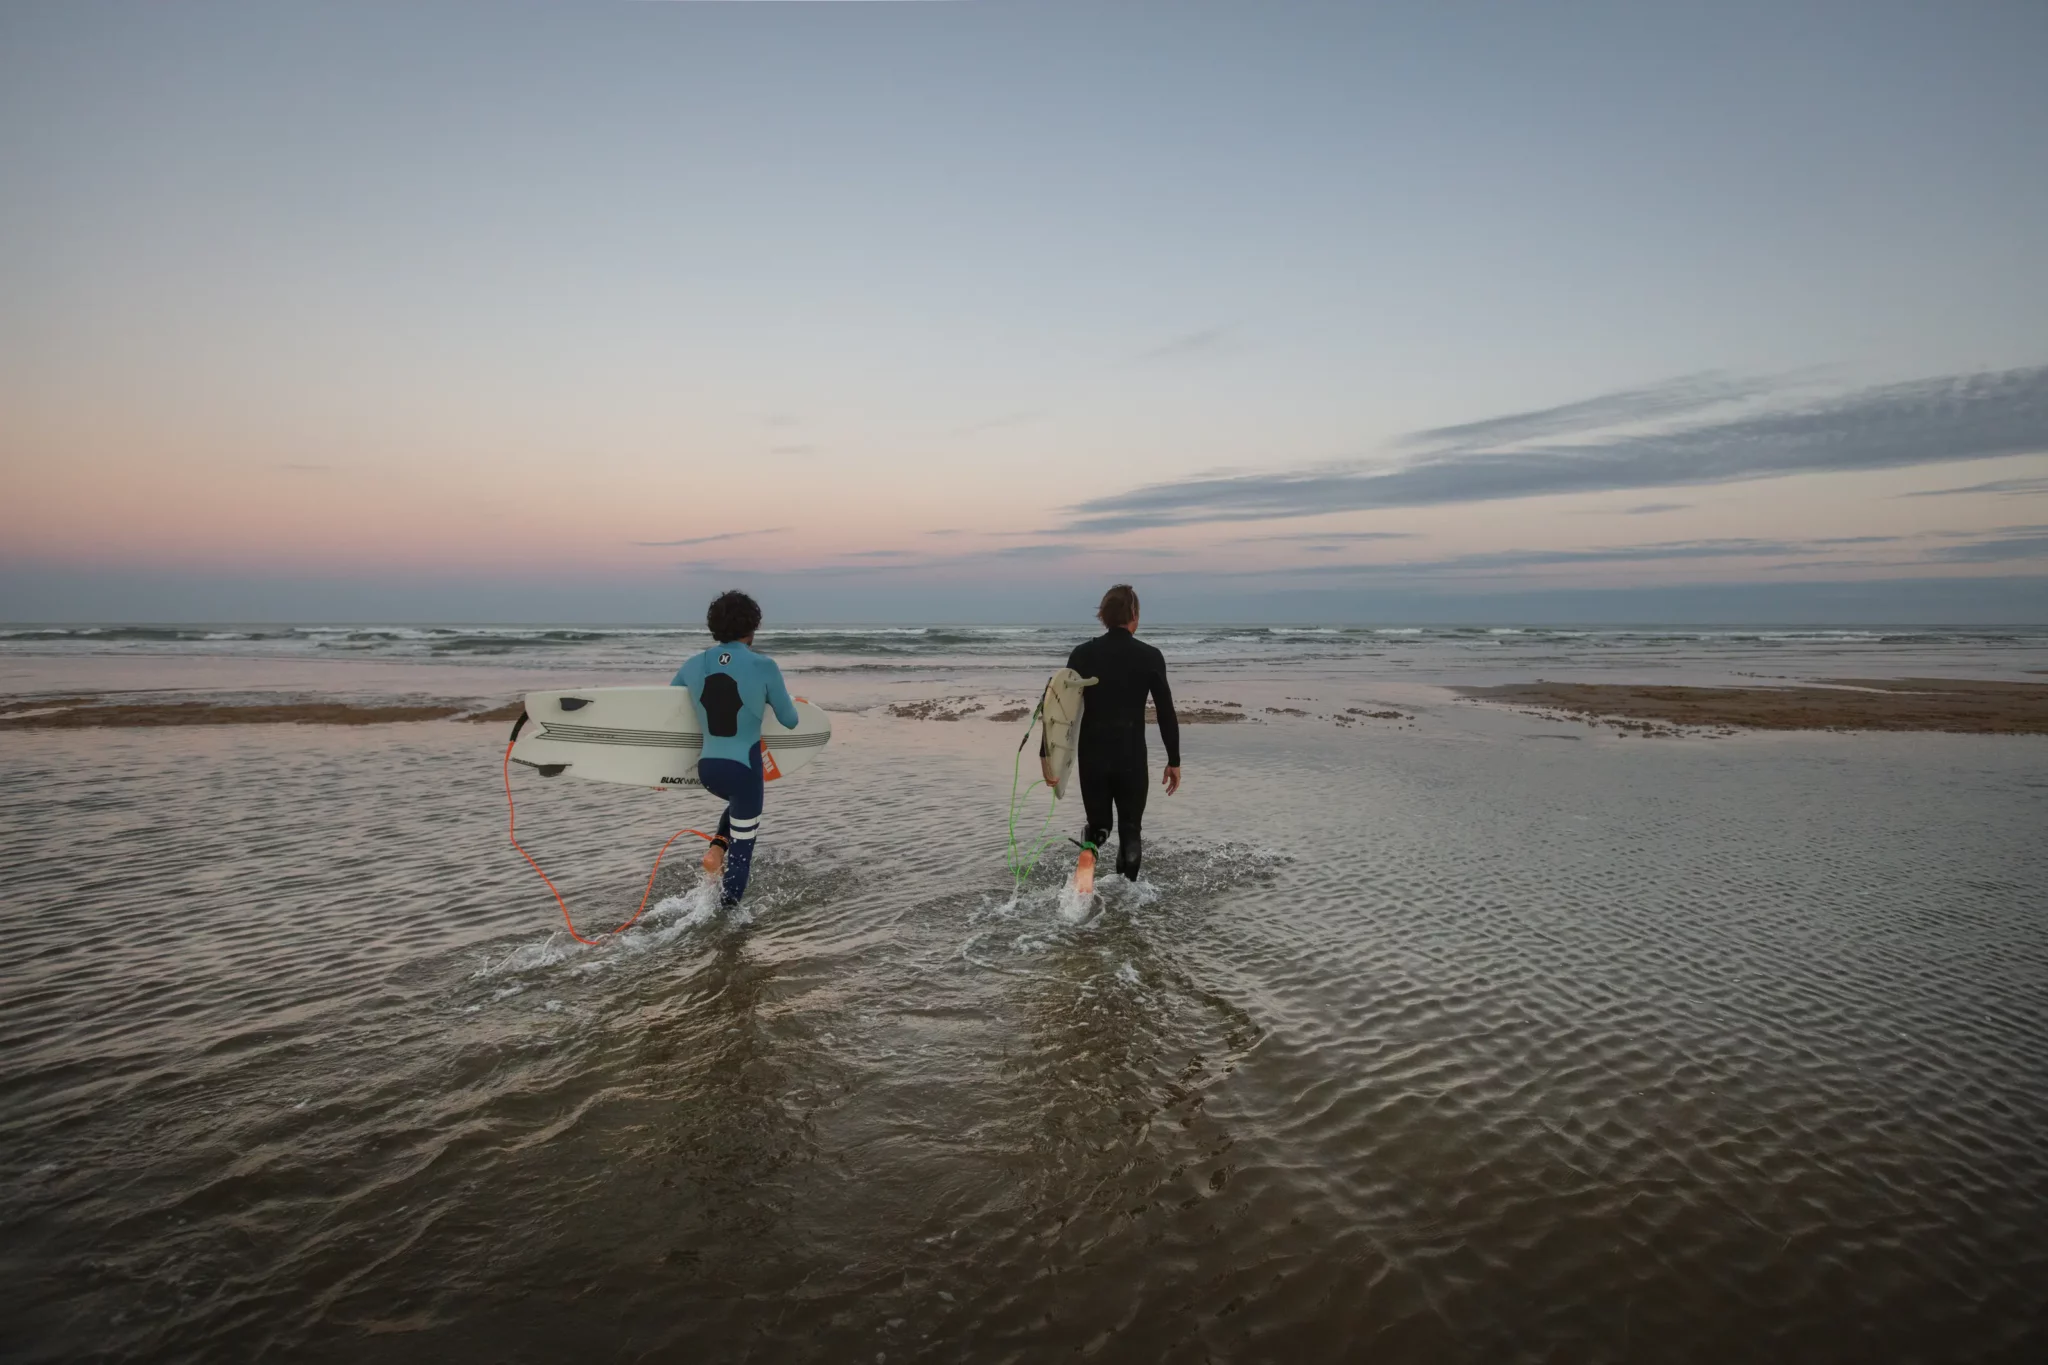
1113	722
722	704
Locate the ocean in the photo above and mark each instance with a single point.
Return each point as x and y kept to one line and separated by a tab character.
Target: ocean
1432	1031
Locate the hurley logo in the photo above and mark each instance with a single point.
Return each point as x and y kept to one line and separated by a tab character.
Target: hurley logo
725	658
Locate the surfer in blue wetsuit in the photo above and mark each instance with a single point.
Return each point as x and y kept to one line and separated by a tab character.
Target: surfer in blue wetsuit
1111	749
731	688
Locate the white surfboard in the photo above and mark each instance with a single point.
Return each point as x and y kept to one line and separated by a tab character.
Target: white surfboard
646	737
1061	708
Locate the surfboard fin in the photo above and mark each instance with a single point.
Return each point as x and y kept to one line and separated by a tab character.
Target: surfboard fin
573	703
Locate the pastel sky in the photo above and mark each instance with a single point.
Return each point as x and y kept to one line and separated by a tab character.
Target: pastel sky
897	311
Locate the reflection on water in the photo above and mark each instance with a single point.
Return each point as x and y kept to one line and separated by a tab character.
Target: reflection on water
1413	1045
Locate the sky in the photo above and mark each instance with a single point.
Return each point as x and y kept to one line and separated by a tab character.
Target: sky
948	312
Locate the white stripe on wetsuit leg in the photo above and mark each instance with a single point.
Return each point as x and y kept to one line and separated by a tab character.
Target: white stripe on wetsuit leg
746	829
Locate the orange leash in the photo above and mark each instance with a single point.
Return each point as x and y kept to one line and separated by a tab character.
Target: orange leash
512	828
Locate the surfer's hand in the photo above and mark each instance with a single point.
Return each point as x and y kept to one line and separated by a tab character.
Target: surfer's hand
1170	779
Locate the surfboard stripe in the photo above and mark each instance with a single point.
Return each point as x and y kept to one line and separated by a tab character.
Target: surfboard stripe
659	739
641	739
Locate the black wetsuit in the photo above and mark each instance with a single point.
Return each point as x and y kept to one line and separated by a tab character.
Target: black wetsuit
1111	750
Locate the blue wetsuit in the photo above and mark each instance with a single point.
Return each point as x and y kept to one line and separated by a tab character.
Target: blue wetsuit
731	688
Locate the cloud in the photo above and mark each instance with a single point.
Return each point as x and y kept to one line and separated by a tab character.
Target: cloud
304	468
1961	417
2022	486
1642	510
1189	344
2019	542
792	450
1737	548
1674	397
1049	550
1327	536
1499	562
707	540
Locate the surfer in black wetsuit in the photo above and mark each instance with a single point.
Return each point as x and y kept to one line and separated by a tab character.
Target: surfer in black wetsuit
1111	748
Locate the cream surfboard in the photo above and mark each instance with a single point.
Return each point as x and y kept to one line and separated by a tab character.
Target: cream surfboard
646	736
1061	708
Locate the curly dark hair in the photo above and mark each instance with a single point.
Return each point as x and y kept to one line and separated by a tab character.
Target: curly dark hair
732	616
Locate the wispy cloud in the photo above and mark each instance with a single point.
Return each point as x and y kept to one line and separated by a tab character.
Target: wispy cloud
1329	536
709	540
1048	550
1962	417
304	468
2017	542
1646	509
1731	548
1658	402
1204	341
1515	562
793	450
2021	486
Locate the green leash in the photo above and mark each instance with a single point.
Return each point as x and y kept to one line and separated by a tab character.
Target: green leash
1024	861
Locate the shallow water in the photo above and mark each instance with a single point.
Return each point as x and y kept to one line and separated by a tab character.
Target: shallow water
1469	1037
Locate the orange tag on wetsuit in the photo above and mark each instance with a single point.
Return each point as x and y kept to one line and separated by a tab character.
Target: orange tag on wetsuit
769	772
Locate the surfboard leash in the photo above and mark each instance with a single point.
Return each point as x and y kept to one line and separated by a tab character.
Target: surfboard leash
1023	864
512	832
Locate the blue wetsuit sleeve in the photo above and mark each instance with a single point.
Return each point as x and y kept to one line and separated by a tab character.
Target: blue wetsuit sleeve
778	696
690	675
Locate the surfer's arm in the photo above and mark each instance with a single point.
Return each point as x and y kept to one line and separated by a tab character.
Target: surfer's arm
778	697
1169	723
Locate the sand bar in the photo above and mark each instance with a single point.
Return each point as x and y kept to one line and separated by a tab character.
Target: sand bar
1964	706
78	713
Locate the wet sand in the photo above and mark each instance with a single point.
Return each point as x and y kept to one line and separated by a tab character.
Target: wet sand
1418	1041
936	708
1198	715
106	712
81	713
959	708
1956	706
